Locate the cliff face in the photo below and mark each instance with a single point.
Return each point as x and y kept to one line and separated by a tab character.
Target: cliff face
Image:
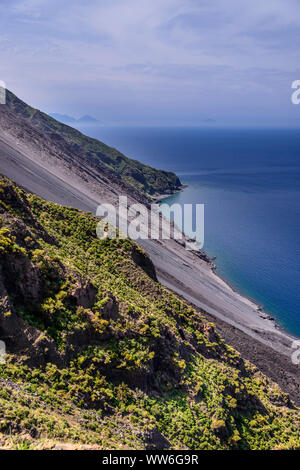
100	355
31	126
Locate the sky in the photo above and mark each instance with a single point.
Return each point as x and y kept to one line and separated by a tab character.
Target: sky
159	62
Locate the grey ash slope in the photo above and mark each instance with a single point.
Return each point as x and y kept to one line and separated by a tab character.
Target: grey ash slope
132	173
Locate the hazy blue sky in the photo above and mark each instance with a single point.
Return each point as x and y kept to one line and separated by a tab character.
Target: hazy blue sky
155	61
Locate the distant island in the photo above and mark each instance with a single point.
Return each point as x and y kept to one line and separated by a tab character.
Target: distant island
64	118
209	120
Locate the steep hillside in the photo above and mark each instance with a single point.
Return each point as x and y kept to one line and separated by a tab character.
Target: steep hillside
100	355
81	148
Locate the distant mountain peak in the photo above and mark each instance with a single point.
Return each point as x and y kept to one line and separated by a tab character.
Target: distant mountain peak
87	118
63	117
66	119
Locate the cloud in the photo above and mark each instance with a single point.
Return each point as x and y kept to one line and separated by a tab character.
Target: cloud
131	55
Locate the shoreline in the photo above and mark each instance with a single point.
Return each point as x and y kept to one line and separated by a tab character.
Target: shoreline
265	315
210	260
160	197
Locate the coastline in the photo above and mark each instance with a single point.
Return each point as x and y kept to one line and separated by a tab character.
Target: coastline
160	197
210	260
260	310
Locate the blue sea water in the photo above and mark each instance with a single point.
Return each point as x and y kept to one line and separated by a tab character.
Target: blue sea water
249	181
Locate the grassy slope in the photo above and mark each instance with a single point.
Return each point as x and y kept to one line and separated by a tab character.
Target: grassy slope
142	177
103	355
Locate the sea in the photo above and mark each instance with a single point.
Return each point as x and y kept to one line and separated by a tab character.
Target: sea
249	182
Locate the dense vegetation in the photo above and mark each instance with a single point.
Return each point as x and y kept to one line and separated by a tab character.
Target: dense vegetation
100	355
145	179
